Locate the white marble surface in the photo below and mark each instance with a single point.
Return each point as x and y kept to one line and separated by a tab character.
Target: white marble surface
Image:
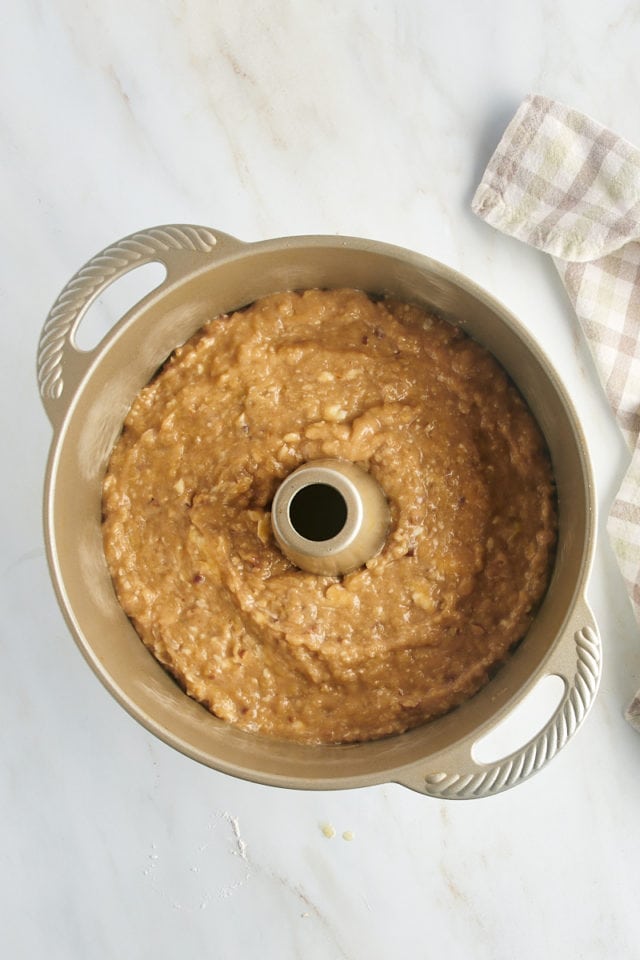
264	119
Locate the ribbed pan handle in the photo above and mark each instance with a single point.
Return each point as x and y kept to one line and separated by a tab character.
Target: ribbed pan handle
577	659
61	365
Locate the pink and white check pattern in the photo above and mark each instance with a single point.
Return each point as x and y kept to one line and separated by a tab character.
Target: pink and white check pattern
561	182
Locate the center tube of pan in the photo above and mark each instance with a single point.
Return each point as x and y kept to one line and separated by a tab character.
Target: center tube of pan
330	517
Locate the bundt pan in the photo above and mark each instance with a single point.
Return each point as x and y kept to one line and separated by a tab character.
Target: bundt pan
86	395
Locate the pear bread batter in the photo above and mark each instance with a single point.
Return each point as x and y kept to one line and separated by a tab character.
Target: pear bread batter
296	377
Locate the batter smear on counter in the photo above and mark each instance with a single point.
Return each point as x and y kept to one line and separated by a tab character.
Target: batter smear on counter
294	378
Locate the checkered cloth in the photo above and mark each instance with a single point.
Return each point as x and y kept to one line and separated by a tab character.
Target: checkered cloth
563	183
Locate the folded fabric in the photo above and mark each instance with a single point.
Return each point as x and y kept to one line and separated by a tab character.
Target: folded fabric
563	183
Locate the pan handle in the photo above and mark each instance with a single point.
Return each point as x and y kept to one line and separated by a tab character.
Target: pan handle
61	365
577	659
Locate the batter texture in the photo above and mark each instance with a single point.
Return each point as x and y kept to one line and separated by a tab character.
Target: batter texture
293	378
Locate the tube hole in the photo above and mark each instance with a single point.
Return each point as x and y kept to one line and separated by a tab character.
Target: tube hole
318	512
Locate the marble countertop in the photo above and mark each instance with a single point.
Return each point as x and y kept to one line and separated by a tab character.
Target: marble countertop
265	119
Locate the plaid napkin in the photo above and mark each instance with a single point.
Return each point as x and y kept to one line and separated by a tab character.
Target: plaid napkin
563	183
